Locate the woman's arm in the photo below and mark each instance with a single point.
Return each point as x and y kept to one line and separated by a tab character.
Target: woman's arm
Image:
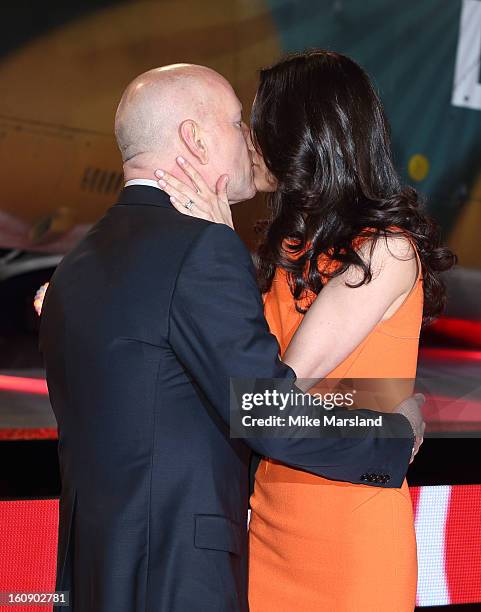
341	317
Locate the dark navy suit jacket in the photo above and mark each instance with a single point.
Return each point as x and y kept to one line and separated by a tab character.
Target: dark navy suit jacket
143	324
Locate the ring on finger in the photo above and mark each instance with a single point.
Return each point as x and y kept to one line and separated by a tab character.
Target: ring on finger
189	205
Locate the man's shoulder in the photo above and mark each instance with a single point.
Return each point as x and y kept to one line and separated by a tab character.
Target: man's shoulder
219	242
219	233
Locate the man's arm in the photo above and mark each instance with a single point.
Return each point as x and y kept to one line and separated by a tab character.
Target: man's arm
218	331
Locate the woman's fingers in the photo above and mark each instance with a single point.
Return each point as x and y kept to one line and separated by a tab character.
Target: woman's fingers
207	204
167	180
194	176
221	187
222	202
194	212
181	197
180	207
197	208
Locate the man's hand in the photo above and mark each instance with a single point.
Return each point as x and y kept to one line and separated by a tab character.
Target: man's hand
411	409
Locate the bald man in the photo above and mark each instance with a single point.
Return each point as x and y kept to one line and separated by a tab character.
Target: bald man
184	110
143	324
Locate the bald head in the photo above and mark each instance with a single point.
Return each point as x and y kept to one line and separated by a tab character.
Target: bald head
155	104
187	110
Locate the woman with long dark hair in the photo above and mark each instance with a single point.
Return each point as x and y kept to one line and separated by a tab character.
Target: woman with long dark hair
349	267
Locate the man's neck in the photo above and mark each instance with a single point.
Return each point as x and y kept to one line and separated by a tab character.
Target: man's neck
144	166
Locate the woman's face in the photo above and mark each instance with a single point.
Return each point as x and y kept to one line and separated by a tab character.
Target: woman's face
264	181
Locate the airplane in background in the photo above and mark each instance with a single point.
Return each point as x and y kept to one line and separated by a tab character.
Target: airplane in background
79	170
60	168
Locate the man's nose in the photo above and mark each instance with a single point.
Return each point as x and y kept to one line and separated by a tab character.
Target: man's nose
247	135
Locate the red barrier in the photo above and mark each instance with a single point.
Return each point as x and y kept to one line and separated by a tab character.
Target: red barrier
448	525
28	545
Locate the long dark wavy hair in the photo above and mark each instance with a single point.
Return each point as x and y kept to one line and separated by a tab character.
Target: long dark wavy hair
321	128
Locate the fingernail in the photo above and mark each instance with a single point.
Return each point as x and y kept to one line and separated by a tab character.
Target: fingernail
172	199
181	160
162	183
159	173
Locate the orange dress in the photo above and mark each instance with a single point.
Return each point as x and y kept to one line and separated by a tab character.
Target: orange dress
323	545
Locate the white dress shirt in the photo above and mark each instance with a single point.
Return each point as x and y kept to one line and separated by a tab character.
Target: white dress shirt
147	182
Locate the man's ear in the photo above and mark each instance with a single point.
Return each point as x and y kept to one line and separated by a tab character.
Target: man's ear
190	134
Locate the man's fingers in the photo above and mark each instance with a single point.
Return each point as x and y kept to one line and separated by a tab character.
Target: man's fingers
416	448
418	442
420	399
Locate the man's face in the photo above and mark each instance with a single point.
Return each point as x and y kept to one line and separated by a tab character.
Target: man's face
264	181
228	149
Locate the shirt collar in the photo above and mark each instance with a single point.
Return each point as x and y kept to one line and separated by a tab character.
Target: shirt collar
147	182
144	194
